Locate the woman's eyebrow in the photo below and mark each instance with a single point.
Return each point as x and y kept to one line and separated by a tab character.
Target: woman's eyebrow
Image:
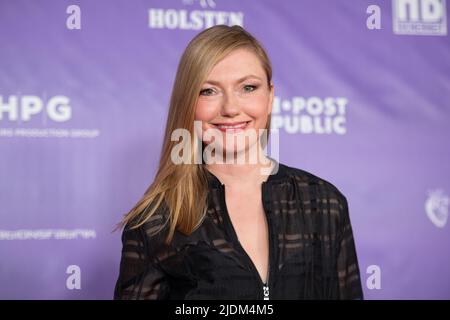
237	81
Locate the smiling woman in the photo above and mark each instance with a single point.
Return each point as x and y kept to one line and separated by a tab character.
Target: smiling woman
237	96
233	230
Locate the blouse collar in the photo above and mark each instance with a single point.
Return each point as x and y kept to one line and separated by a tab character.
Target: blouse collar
278	172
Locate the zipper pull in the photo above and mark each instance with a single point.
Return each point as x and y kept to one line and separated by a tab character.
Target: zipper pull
266	292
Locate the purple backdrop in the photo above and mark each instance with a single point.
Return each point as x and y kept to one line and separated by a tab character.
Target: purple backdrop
362	100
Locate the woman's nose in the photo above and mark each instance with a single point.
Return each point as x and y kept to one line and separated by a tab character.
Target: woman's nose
230	105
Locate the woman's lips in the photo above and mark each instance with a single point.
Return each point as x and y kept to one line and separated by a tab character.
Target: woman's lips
231	127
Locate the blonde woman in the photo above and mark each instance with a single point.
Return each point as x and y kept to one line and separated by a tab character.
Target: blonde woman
215	230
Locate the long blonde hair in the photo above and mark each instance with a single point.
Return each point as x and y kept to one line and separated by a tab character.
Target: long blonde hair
184	187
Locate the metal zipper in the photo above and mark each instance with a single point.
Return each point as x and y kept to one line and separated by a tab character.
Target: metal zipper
264	286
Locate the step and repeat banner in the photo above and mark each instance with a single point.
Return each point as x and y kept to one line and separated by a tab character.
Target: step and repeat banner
362	100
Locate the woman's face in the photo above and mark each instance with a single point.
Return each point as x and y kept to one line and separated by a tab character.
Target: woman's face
234	99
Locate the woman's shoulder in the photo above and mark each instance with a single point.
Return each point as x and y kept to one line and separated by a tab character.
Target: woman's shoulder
148	230
313	186
306	179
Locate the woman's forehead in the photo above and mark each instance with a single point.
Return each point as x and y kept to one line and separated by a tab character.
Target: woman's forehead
236	67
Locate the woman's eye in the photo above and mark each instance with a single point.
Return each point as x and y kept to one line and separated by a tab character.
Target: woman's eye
209	90
253	88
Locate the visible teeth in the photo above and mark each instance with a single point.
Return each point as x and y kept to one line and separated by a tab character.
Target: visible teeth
232	127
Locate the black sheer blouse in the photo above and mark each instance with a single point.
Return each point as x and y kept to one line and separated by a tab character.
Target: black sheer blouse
311	249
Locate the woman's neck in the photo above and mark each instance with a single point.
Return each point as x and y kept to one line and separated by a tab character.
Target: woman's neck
242	173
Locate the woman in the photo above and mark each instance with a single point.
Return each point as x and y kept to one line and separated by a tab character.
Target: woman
214	230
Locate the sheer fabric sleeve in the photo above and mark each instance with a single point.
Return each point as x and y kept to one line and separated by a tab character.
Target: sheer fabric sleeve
140	276
347	261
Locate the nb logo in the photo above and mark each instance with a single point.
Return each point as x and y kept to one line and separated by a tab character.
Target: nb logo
419	17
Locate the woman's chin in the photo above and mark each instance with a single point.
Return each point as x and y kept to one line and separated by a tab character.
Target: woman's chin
234	152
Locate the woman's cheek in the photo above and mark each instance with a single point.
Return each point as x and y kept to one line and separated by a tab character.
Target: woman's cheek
205	111
258	110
